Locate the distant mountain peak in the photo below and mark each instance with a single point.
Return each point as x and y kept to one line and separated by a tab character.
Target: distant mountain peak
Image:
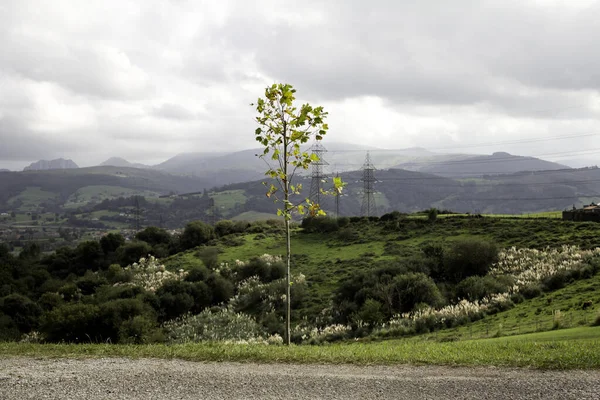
121	162
43	165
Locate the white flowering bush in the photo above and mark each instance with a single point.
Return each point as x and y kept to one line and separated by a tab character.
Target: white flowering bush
525	266
223	325
268	259
252	295
531	266
151	275
307	333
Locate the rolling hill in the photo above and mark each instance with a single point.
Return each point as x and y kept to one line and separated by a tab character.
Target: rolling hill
465	166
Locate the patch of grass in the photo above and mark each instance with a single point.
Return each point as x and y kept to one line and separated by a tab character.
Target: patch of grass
229	199
31	198
537	314
579	350
98	193
253	216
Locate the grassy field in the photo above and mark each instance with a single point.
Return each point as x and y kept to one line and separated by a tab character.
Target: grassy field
253	216
31	198
561	308
566	349
228	199
325	259
98	193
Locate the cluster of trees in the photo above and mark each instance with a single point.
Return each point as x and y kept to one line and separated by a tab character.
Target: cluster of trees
439	275
85	293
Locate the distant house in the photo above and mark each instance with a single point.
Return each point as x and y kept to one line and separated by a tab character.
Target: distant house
590	212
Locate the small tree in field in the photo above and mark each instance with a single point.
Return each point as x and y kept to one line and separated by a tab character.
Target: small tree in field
283	128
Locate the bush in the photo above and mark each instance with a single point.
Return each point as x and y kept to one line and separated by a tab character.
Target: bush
49	301
132	252
197	274
266	268
137	330
224	325
469	257
73	323
557	281
221	289
8	329
530	291
114	313
320	224
370	313
23	312
226	227
475	288
111	242
414	288
154	236
195	234
209	256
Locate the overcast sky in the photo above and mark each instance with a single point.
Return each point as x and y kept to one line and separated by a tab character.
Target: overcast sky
148	79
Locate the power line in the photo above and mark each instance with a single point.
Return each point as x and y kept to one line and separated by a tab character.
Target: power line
484	144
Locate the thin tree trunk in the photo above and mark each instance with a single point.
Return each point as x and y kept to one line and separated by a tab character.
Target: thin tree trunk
288	298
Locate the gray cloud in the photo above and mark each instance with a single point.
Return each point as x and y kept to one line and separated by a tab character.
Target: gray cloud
151	79
173	111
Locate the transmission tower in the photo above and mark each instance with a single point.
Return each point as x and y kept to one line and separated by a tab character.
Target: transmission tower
317	172
212	211
337	199
137	213
368	208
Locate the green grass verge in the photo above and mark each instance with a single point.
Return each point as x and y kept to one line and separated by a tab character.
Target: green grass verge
561	308
579	349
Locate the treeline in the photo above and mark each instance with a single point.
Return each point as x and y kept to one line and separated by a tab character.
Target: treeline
87	293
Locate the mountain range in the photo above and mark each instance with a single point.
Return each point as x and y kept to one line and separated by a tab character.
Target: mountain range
222	168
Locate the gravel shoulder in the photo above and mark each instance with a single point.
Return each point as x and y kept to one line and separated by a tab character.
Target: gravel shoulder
117	378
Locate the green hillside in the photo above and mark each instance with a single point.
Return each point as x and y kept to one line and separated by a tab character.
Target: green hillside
328	258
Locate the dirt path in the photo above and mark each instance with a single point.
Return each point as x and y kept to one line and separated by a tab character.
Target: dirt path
27	378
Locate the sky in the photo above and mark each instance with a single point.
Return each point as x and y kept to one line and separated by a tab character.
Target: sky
148	79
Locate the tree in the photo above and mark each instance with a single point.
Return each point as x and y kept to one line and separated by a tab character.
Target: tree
154	236
195	234
282	129
468	257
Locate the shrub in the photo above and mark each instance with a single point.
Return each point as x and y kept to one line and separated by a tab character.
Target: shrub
320	224
197	274
370	313
531	290
223	325
153	236
195	234
225	227
132	252
414	288
111	242
137	330
8	329
88	283
469	257
23	312
477	287
557	281
267	267
113	314
209	256
221	288
49	301
72	322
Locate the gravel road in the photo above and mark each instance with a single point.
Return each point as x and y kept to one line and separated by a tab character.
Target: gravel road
92	379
